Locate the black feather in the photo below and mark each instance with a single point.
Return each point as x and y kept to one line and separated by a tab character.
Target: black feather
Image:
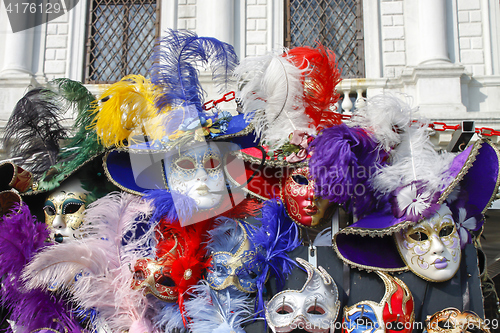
34	131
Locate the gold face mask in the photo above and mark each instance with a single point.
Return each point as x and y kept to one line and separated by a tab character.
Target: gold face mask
64	211
452	320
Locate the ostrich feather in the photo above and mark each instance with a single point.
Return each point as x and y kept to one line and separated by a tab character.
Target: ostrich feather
320	79
33	131
21	236
225	236
217	312
277	236
174	67
126	105
182	208
272	94
169	319
104	283
385	116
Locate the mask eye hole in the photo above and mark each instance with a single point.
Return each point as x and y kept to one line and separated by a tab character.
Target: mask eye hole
364	321
446	231
284	309
49	210
139	276
419	236
211	163
165	281
71	208
301	180
315	310
446	324
185	163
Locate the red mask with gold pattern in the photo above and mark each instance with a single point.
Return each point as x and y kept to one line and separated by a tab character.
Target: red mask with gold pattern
297	192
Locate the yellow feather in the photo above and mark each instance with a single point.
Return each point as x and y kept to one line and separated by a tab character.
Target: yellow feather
130	106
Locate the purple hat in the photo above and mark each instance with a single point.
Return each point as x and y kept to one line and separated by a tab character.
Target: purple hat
472	175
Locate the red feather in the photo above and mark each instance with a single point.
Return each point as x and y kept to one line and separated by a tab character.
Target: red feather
320	81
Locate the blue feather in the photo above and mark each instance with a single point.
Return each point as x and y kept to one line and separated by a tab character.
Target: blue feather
277	236
174	67
226	236
169	319
166	206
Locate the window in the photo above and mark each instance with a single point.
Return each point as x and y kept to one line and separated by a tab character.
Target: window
120	38
337	24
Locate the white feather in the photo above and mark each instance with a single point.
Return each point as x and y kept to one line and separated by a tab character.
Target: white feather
272	94
324	238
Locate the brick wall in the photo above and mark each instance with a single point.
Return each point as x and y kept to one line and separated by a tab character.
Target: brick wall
56	47
187	15
257	27
470	31
393	37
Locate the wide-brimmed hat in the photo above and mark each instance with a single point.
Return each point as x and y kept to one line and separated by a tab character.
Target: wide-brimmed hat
472	175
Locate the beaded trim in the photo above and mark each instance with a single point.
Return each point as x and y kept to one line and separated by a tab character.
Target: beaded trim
272	163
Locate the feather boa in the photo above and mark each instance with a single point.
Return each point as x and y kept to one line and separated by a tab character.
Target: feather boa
277	236
217	312
106	276
174	61
21	236
273	86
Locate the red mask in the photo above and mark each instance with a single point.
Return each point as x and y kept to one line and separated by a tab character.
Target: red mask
297	192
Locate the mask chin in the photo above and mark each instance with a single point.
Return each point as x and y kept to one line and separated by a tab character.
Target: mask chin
431	249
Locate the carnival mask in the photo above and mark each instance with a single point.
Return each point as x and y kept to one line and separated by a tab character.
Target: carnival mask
314	308
452	320
236	268
297	192
394	313
197	173
155	275
64	211
431	249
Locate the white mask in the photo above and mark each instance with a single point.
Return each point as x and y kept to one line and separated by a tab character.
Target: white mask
64	210
431	249
314	308
196	172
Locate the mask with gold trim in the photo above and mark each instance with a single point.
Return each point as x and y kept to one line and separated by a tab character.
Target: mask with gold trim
233	258
431	249
452	320
64	211
297	192
394	313
315	307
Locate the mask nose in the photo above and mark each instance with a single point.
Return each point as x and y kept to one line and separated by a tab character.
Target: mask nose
201	175
58	222
437	246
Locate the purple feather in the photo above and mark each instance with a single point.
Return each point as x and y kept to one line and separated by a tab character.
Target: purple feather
21	236
174	67
343	160
166	206
277	237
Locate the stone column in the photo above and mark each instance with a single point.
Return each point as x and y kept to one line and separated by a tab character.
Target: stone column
432	32
18	60
215	18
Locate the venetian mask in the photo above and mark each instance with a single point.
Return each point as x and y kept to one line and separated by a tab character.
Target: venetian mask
297	192
197	173
394	313
64	210
452	320
154	275
431	249
236	268
314	308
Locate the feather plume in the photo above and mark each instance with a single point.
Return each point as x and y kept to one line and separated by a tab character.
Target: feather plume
105	280
21	236
166	207
321	77
174	67
169	319
324	238
277	236
217	312
126	105
272	94
342	162
225	236
34	130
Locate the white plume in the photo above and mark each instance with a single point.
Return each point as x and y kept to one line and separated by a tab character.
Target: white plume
272	95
